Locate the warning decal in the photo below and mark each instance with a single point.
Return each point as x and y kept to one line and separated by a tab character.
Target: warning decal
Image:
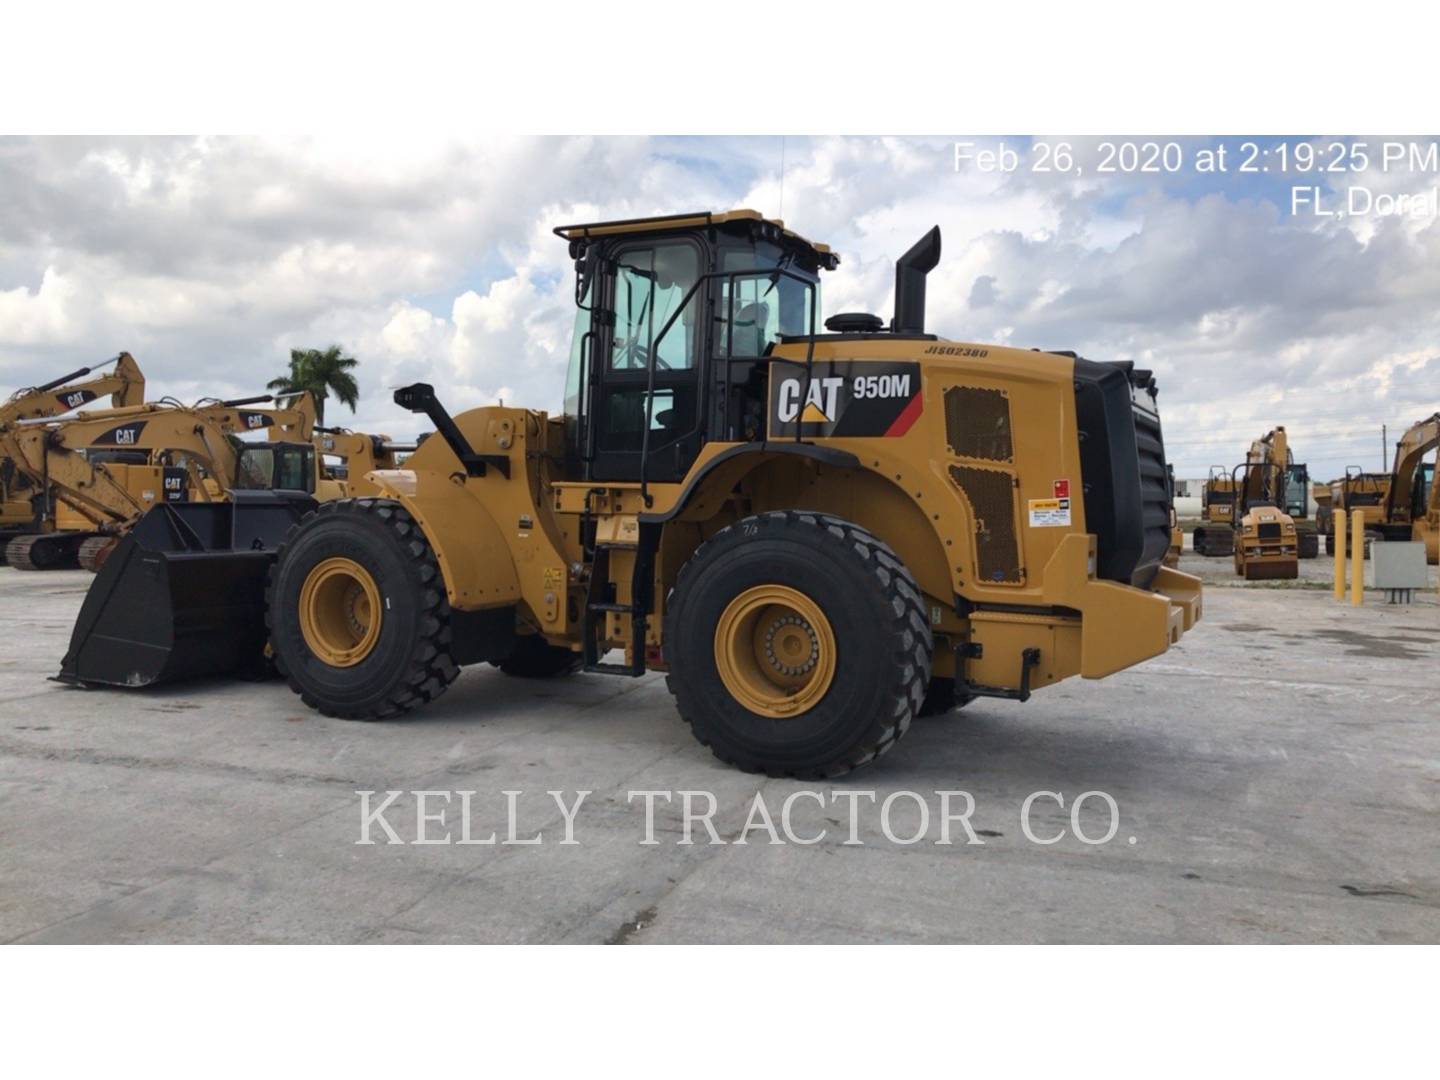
1049	513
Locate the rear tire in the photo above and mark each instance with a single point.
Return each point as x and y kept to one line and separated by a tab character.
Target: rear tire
402	663
820	579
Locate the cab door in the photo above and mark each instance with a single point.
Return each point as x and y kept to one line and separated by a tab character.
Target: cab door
654	299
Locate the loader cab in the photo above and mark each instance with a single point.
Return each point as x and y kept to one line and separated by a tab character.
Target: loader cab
276	467
675	321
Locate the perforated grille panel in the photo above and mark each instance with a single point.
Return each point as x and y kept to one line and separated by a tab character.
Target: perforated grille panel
992	497
977	423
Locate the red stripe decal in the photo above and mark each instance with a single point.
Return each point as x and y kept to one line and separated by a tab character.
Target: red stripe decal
907	417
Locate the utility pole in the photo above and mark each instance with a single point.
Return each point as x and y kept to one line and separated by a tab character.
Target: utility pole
1384	448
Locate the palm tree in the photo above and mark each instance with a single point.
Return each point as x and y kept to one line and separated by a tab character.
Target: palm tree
321	371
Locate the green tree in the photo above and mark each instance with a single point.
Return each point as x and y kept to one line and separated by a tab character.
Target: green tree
322	372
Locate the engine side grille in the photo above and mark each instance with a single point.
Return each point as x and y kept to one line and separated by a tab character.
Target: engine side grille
977	423
991	493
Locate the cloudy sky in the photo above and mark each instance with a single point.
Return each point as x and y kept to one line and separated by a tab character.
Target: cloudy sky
209	258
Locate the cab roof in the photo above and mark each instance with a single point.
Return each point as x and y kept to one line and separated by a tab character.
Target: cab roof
687	221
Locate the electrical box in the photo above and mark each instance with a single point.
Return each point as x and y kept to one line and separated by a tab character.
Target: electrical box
1397	565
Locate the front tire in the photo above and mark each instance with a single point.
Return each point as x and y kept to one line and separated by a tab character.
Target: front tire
356	608
797	645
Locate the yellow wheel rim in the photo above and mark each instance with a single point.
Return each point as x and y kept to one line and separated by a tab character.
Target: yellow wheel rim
775	651
340	612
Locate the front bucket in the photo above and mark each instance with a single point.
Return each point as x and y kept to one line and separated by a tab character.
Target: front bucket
183	595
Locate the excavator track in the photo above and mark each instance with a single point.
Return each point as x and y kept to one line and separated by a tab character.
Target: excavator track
54	551
94	551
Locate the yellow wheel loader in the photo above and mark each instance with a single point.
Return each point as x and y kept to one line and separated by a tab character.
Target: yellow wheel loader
816	533
345	460
1215	535
99	471
1266	540
21	503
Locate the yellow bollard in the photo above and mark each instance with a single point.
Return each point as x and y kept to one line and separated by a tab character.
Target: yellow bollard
1357	559
1339	541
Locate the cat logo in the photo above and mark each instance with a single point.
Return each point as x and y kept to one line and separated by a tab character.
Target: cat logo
124	435
75	398
256	420
846	398
819	403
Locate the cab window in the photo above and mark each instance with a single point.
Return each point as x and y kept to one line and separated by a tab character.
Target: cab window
651	284
755	310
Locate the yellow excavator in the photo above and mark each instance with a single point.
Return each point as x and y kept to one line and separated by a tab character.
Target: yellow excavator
1411	510
118	378
816	534
1427	529
101	470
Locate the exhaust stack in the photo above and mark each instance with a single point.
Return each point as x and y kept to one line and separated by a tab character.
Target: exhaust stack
910	271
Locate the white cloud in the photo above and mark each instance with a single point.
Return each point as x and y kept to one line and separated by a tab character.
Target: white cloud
210	258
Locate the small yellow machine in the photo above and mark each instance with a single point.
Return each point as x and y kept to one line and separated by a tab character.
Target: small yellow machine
816	534
1266	544
22	502
1215	535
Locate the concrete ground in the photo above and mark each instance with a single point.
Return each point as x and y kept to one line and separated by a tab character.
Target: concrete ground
1279	773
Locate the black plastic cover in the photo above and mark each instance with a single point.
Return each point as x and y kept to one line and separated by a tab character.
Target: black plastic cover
1123	473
